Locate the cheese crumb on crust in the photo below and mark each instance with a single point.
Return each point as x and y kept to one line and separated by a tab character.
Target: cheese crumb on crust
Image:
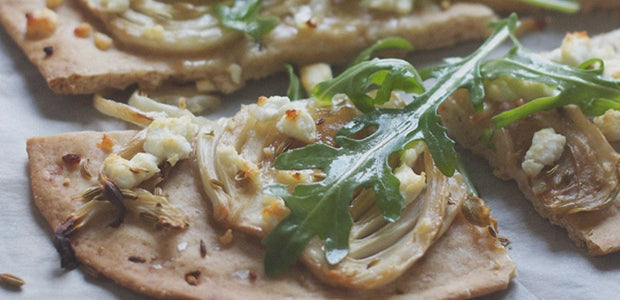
41	23
102	41
169	138
547	147
128	174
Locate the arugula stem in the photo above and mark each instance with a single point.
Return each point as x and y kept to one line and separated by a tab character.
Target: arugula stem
565	6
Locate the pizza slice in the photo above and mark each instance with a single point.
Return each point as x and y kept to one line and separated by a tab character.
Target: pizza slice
562	158
86	46
130	205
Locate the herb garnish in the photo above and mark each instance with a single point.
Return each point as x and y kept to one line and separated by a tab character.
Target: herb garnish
322	208
565	6
243	16
593	92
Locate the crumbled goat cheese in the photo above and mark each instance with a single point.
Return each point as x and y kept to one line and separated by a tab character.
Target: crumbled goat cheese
128	174
268	109
169	138
609	124
102	41
293	118
547	147
299	124
411	184
578	48
41	23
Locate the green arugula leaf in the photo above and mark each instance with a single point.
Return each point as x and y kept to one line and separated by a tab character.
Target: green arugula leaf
294	91
566	6
592	91
389	74
384	44
322	208
243	16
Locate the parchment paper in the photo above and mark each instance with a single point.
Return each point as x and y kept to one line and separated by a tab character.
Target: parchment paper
550	266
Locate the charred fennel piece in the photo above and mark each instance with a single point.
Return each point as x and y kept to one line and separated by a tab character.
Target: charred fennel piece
322	208
592	91
151	208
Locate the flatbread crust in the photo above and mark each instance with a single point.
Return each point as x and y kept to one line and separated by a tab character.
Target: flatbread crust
78	67
466	262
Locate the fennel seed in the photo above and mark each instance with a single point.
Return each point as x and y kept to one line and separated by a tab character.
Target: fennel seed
192	278
84	169
218	183
137	259
227	237
203	249
11	280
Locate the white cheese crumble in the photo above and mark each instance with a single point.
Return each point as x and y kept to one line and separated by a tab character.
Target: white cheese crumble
411	184
547	147
609	124
299	124
127	174
293	118
578	47
169	138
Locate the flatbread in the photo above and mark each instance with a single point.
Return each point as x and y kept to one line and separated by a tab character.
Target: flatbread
596	230
466	262
78	67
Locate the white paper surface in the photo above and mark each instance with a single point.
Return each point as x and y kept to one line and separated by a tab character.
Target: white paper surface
549	265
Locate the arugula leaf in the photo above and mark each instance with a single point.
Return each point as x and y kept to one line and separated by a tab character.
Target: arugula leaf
566	6
294	91
384	44
592	91
243	16
322	208
389	74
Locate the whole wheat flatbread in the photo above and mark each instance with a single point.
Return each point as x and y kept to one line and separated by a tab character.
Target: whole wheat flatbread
466	262
77	66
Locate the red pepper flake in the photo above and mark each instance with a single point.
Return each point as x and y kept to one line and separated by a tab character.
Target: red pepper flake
137	259
71	159
49	50
106	144
291	114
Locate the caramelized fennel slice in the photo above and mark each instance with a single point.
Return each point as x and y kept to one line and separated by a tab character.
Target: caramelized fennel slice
235	159
381	254
586	176
230	151
163	26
